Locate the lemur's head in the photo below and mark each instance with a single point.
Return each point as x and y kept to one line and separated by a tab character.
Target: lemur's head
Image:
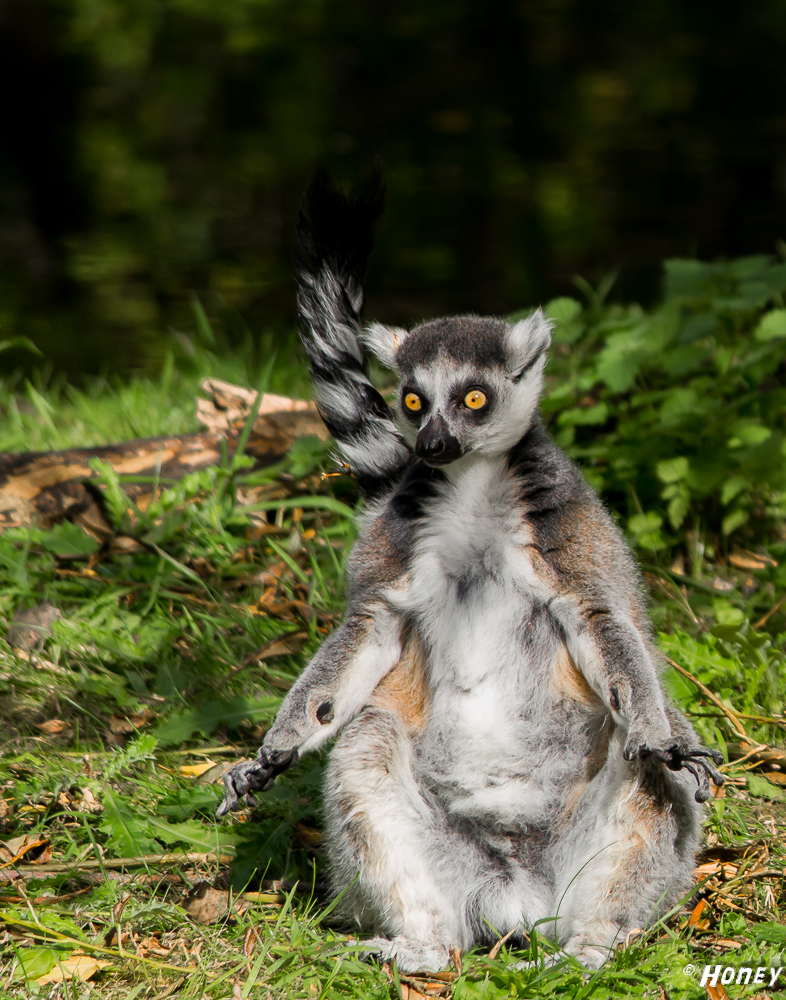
466	383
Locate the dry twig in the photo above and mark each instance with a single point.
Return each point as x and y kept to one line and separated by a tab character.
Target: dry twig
732	716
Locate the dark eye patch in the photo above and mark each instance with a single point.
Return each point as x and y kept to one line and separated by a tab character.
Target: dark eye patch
459	394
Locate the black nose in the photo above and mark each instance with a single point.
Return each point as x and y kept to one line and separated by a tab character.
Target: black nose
435	444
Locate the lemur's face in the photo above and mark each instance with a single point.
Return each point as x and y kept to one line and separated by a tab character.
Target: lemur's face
466	384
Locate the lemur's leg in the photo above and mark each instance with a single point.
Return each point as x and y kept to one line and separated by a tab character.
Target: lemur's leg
407	871
332	688
626	854
385	844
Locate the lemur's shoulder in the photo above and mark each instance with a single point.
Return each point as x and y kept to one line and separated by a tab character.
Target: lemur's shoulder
573	532
383	551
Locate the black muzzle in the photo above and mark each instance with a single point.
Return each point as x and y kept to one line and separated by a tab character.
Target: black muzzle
435	444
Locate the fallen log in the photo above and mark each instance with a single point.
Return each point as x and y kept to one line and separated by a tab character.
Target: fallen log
45	488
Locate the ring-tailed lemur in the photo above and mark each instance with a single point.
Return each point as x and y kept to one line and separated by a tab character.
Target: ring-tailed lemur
505	753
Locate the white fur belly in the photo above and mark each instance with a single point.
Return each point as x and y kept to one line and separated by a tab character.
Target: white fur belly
474	596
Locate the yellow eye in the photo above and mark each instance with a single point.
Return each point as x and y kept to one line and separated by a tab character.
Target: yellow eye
475	399
412	402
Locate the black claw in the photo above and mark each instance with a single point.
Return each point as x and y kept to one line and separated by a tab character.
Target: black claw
703	792
698	761
242	780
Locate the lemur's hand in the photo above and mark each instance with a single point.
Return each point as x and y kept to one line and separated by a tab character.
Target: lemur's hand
676	755
242	780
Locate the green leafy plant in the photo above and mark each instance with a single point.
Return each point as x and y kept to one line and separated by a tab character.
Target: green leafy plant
678	415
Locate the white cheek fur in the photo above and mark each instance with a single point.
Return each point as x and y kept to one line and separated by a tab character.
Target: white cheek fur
514	404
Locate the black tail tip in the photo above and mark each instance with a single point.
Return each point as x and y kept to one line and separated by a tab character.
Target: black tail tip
336	228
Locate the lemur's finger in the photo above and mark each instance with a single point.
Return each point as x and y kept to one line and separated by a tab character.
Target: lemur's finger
240	781
704	752
670	756
708	759
279	761
704	791
712	757
240	774
230	802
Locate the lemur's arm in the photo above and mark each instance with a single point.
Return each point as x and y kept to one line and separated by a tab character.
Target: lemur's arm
330	691
611	652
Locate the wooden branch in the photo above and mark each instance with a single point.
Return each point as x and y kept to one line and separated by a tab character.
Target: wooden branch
43	932
47	487
142	861
733	718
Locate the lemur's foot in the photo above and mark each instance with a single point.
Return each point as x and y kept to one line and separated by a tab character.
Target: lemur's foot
411	955
242	780
581	948
676	755
591	956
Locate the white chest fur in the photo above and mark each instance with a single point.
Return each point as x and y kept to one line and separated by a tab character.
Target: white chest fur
471	578
473	592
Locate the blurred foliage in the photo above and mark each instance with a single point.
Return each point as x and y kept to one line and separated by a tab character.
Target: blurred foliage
678	415
158	147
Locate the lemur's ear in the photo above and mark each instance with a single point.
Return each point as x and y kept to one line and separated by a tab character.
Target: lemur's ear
384	342
526	341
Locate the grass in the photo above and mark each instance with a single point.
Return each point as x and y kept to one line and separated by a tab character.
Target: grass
161	669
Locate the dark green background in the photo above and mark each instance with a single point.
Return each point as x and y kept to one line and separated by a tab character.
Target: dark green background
152	149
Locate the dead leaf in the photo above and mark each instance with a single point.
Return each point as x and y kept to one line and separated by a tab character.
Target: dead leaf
715	868
216	773
9	848
503	940
410	993
196	770
423	984
750	561
728	943
77	967
280	646
776	777
285	610
310	836
126	724
35	850
169	989
89	803
30	627
695	917
734	852
250	941
153	946
125	545
207	905
716	992
52	727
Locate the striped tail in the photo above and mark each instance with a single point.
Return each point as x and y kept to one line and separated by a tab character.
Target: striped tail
334	238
